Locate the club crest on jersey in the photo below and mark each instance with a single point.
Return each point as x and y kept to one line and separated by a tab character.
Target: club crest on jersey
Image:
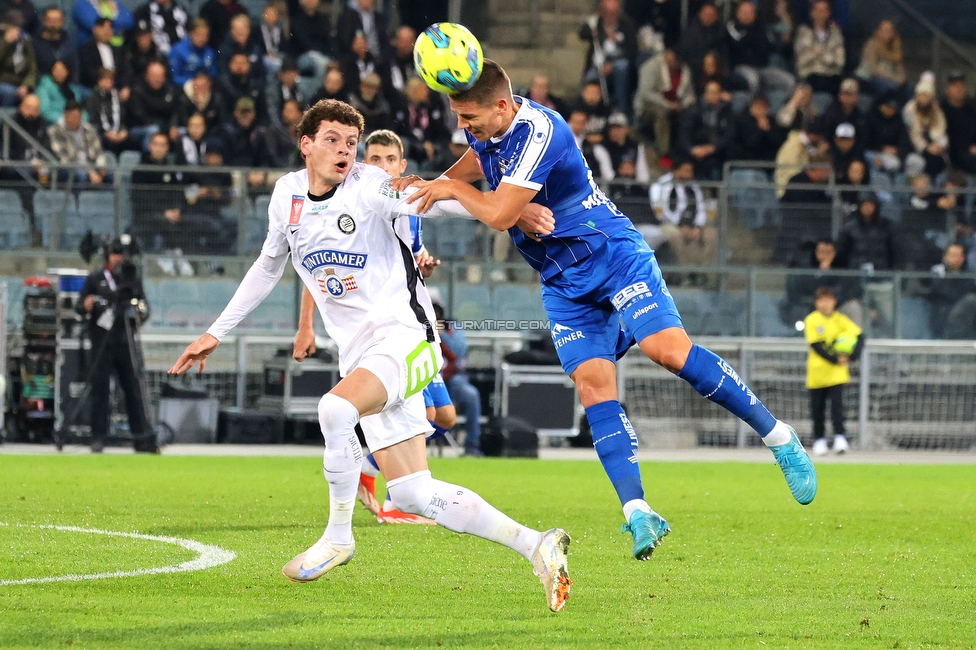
297	203
346	224
504	164
335	286
318	259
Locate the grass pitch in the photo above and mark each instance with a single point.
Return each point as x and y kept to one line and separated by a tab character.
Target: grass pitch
884	558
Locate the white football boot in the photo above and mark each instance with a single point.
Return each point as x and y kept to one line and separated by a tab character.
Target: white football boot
323	556
551	566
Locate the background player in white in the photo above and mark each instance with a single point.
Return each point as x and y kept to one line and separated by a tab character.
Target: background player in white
384	149
340	222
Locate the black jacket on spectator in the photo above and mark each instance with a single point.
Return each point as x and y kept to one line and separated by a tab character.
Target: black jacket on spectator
802	287
944	293
283	148
351	22
961	129
148	106
36	128
278	94
158	190
842	161
218	17
698	40
321	94
308	32
628	151
47	52
245	147
90	61
215	113
627	48
702	124
868	242
752	143
834	115
377	113
135	61
747	45
812	195
353	69
252	50
884	131
236	88
419	124
175	21
27	12
106	112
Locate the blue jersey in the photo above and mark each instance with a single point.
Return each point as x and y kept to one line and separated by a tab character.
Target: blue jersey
417	232
539	152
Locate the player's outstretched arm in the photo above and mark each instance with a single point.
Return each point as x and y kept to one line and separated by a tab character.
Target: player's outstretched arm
466	168
499	209
304	345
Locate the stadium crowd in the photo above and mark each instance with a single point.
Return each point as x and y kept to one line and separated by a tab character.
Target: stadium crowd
776	84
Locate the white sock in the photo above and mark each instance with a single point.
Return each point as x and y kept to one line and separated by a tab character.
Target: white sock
341	464
780	435
461	510
635	504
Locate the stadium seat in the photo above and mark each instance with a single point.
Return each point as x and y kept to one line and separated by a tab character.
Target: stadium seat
754	207
725	314
471	302
514	302
740	101
129	159
276	312
776	100
453	238
765	316
51	208
257	224
14	226
96	212
689	304
913	318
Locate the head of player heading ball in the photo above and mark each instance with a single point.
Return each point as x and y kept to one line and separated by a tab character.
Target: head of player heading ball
448	58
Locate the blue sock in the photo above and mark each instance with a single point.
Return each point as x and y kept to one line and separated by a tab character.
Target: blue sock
616	444
372	461
714	379
438	431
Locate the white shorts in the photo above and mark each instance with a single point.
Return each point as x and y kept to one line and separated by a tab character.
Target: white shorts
404	364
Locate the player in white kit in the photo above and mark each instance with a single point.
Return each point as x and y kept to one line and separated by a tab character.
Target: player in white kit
345	230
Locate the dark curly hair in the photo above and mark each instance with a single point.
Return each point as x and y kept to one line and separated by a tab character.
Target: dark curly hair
329	110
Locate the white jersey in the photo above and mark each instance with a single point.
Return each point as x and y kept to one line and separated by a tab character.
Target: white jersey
351	248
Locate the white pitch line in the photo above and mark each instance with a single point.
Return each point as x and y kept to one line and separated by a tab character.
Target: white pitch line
207	556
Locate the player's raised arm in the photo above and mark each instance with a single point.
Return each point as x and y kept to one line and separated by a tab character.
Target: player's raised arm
466	168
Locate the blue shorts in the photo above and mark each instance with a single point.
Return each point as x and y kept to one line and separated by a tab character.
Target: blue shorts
435	393
608	302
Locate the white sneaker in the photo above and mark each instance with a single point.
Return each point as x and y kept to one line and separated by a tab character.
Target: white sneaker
550	565
840	444
316	561
820	447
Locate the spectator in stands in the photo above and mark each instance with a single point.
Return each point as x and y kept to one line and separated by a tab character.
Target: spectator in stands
88	12
926	124
26	10
713	68
54	91
707	131
100	53
358	62
704	34
881	60
595	154
193	54
272	38
592	103
166	19
215	189
360	16
612	52
675	195
664	91
239	82
827	369
107	113
844	108
421	125
245	142
54	43
857	175
845	149
333	87
780	28
540	93
577	124
819	50
459	144
309	38
18	65
820	258
757	136
77	143
153	106
796	152
192	145
398	68
28	117
240	40
812	181
421	13
867	242
887	141
947	291
139	51
454	347
625	150
923	222
287	88
799	112
283	136
158	200
749	49
200	97
368	99
218	14
960	115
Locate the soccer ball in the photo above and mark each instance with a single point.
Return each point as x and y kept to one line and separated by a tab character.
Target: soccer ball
845	344
448	58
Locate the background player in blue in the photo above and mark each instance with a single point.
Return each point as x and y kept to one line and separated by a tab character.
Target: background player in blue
601	284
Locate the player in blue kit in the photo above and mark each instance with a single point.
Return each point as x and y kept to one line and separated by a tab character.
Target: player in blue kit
601	285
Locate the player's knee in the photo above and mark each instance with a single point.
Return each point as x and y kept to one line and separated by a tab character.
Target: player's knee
412	493
668	348
336	415
595	386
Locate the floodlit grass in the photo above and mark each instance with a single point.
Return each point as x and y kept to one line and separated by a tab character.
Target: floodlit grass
884	558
